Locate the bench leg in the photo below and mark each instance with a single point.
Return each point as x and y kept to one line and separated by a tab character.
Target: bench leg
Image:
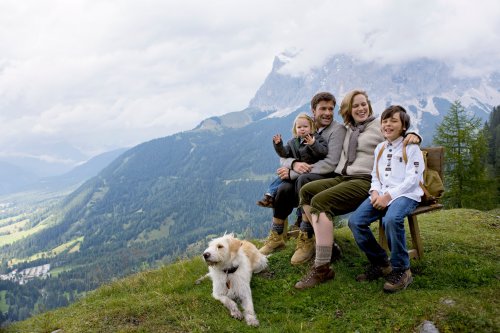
418	250
382	240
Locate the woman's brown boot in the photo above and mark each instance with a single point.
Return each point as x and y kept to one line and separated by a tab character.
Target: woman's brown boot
316	276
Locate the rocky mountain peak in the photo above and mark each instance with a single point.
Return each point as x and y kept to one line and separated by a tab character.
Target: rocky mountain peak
418	85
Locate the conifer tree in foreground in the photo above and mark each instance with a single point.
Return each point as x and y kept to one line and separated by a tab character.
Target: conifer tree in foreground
492	127
466	150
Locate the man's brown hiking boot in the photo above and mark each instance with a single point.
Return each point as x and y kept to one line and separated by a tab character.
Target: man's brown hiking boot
304	250
273	243
316	276
397	280
267	201
373	272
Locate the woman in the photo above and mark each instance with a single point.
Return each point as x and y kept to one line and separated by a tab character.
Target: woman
323	199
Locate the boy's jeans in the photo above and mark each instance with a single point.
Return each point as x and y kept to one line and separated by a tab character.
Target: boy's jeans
393	221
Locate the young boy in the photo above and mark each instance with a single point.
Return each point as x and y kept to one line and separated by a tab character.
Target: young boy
305	146
394	193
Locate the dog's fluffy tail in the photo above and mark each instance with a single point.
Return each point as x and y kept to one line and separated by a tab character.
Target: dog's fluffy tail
260	265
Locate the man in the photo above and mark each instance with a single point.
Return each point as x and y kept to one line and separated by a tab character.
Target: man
295	174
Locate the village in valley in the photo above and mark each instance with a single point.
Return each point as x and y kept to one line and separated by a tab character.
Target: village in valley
27	274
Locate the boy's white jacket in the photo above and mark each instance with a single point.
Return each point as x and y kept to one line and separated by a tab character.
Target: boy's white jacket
398	178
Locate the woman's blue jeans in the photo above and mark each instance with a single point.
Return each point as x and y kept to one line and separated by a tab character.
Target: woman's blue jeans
393	221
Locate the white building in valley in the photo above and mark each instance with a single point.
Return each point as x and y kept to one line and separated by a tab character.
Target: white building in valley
27	274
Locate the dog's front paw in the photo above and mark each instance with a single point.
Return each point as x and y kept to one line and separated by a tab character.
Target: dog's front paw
252	320
236	314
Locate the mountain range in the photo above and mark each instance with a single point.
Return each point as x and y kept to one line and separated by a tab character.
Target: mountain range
163	198
182	187
14	178
425	87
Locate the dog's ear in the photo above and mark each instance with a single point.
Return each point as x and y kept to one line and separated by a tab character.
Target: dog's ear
234	245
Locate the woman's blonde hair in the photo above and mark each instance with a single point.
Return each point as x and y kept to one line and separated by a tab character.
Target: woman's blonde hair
306	117
346	106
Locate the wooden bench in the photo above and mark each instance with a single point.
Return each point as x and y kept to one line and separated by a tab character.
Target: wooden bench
435	160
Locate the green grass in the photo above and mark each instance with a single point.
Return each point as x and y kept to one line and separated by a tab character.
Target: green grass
456	286
21	229
17	235
55	272
10	220
14	227
4	307
162	232
72	245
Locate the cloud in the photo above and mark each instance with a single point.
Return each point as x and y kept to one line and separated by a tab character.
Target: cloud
463	33
99	75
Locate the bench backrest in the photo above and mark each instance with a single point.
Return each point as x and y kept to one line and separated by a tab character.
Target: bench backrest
435	159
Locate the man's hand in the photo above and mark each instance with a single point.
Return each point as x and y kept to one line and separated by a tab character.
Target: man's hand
277	139
309	139
283	173
302	167
411	138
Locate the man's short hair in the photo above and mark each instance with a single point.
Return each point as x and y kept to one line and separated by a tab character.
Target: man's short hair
403	115
320	97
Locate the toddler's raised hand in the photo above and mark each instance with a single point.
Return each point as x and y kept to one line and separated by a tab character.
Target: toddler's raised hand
309	139
277	139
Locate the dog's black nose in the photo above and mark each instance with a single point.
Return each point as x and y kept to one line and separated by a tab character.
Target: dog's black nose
206	255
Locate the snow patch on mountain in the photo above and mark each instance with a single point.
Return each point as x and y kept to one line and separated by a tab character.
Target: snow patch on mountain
284	112
416	85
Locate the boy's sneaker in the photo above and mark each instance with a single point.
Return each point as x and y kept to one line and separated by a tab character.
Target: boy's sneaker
398	280
267	201
373	272
273	242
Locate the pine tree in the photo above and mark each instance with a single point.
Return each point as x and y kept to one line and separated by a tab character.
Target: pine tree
466	150
492	127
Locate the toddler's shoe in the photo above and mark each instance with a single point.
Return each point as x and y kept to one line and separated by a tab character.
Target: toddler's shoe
267	201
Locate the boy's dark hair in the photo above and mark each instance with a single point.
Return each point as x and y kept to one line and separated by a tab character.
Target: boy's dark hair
405	118
322	96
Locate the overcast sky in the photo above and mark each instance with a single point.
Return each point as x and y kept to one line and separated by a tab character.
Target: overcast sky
103	74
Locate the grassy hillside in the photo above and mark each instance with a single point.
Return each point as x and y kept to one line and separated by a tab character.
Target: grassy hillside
456	286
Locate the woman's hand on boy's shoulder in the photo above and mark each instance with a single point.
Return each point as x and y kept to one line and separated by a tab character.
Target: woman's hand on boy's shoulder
411	138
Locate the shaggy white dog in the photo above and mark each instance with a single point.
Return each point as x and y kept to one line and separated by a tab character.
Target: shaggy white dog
231	262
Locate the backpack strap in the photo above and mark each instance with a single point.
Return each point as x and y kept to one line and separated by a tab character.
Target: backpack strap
378	158
405	155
